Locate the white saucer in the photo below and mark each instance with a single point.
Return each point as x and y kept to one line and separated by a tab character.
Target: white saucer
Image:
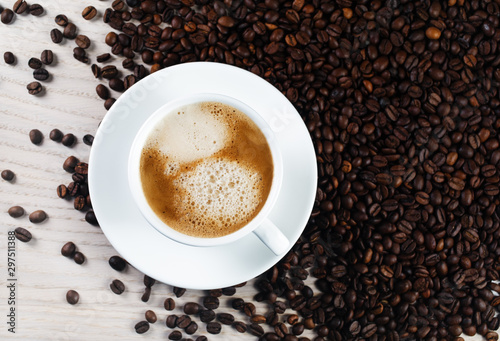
142	245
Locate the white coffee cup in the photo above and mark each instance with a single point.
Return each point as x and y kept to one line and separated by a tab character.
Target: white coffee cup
267	232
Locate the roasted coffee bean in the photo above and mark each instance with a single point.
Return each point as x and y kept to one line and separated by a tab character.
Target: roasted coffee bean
9	57
20	6
8	175
238	303
89	13
117	263
214	327
70	164
255	329
22	234
179	291
68	249
82	41
41	74
116	84
36	136
47	57
169	304
34	88
240	326
61	20
191	328
141	327
36	10
80	54
171	321
146	295
249	309
191	308
57	135
150	315
183	321
225	318
37	216
203	337
79	257
102	91
88	139
56	36
211	302
91	218
175	335
7	16
109	72
103	57
69	31
118	288
207	315
72	297
16	211
68	140
96	70
148	281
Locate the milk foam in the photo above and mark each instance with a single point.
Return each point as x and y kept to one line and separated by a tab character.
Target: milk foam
206	169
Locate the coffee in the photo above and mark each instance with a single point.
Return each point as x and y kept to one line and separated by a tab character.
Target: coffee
206	169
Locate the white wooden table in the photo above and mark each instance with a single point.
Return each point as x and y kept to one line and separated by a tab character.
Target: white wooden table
43	276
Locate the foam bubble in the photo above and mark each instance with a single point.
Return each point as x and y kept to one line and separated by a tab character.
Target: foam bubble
189	133
217	194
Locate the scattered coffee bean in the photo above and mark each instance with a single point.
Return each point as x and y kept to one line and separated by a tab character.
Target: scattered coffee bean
16	211
36	136
211	302
191	328
249	309
47	57
88	139
22	234
147	293
171	321
102	91
7	16
56	135
183	321
80	54
103	57
20	6
238	303
207	315
191	308
179	291
169	304
225	318
109	103
68	249
141	327
116	84
215	328
91	218
68	140
69	31
255	329
41	74
96	70
56	36
117	263
118	288
148	281
72	297
8	175
9	57
82	41
36	10
37	216
70	164
202	338
61	20
229	291
109	72
79	257
150	316
175	335
35	63
89	13
34	88
240	326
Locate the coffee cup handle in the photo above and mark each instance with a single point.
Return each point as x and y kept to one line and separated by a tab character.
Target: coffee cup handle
272	236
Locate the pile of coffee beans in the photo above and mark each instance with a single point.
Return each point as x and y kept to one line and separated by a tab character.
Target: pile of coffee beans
402	102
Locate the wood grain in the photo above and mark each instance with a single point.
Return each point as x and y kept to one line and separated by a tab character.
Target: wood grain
70	104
